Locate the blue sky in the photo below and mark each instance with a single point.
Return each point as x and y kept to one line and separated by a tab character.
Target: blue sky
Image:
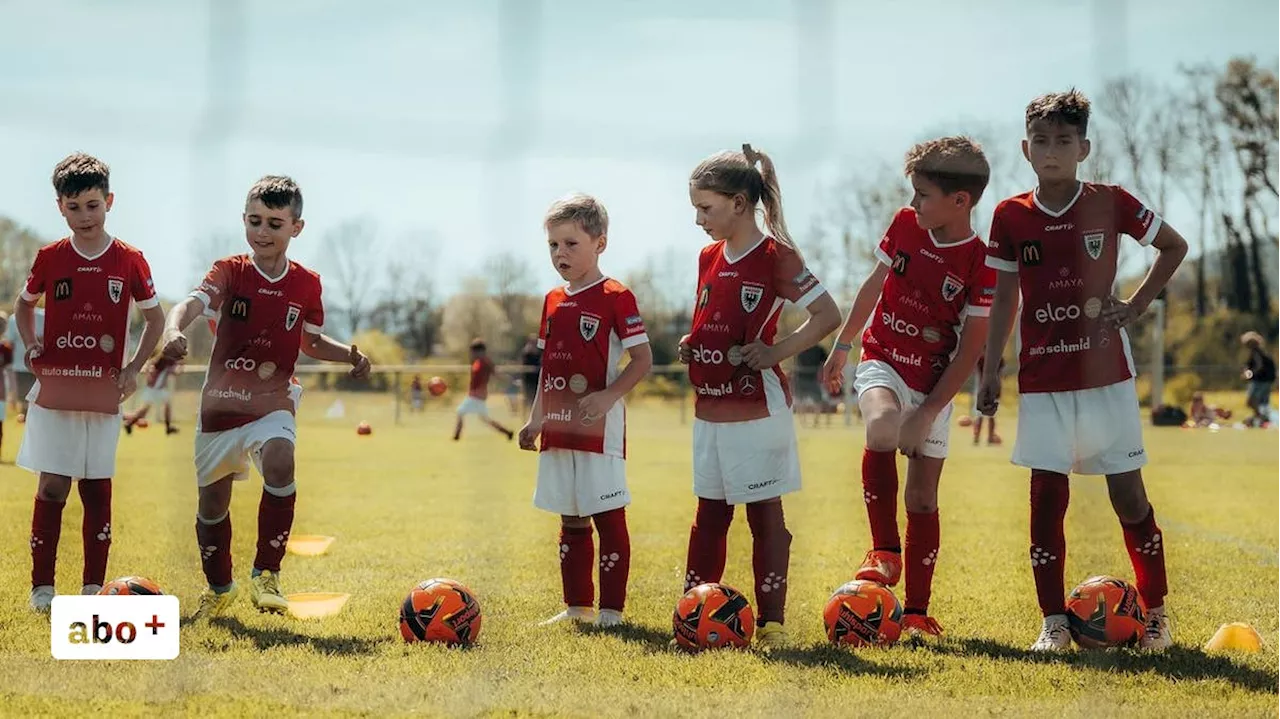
400	111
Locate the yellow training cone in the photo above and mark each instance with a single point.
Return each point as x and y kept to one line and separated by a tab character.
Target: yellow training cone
1238	636
314	605
309	545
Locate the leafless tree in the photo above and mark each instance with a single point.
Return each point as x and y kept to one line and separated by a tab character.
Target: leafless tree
351	259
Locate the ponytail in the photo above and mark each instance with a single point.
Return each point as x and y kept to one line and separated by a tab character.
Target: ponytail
770	196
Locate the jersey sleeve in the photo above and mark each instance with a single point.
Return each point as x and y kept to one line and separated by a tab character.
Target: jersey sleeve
213	288
37	277
1134	218
141	287
313	319
792	280
982	290
1001	254
544	329
884	251
627	321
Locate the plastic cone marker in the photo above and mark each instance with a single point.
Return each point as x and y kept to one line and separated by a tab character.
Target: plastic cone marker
308	545
1235	636
316	605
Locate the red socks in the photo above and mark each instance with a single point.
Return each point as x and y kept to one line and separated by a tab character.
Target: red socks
920	559
95	530
880	491
770	556
46	527
215	550
1050	493
1145	543
708	543
275	519
577	554
615	558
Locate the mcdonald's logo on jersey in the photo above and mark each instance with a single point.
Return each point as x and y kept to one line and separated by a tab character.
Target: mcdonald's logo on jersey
1032	253
238	308
62	289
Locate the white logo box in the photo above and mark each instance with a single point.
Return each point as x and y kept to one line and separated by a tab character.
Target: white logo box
114	627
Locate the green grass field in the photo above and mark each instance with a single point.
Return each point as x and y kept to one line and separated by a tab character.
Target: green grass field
406	504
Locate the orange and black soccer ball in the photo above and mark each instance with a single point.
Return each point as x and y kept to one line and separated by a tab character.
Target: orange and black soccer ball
436	386
125	586
1105	612
440	610
713	615
863	614
363	429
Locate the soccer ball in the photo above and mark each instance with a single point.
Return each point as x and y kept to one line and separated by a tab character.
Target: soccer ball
130	586
1105	612
436	386
713	615
966	420
440	610
861	614
142	423
364	428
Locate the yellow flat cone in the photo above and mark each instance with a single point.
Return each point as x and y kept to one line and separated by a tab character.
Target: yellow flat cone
308	545
1235	636
314	605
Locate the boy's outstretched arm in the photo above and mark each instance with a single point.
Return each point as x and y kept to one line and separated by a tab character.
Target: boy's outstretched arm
327	349
863	305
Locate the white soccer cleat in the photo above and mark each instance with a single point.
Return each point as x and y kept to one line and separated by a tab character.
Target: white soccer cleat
572	614
91	589
608	618
1054	635
42	598
1158	636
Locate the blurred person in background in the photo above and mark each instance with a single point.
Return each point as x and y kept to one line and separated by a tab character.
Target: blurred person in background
1260	373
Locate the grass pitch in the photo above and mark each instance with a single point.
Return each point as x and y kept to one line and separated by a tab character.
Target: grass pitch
407	503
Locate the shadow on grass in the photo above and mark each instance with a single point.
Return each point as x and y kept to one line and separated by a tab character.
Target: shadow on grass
1177	663
268	637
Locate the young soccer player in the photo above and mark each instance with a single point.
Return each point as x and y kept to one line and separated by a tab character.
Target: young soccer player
478	392
928	299
744	438
268	308
587	324
1260	372
73	421
1077	407
160	373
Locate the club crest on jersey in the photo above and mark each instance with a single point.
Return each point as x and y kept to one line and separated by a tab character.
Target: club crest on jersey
587	326
1093	244
951	287
291	317
115	289
751	296
62	289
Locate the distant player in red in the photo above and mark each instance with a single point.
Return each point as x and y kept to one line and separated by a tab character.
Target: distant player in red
978	417
88	281
478	391
587	325
6	361
268	309
160	374
927	299
744	436
1078	407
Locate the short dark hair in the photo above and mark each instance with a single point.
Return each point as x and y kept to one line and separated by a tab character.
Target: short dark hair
277	192
477	345
80	172
1068	108
954	164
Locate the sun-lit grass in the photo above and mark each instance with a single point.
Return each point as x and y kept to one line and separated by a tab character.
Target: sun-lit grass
406	504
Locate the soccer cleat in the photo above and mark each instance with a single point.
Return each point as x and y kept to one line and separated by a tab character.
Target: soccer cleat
608	618
171	430
881	567
91	589
41	598
994	440
215	604
771	636
1054	635
572	614
1158	636
264	590
918	624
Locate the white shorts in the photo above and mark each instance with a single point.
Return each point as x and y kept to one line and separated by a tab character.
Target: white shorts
155	396
874	373
744	462
1088	431
473	405
579	484
80	445
3	405
219	454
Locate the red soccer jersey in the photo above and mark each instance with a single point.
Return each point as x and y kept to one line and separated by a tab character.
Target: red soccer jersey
86	321
583	335
260	324
739	301
930	289
1066	265
481	371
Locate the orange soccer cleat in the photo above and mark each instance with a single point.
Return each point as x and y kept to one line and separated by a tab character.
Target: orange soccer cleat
921	624
881	567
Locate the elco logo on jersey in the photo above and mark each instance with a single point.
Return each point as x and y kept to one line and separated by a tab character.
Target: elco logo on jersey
238	308
62	289
1032	254
587	326
951	287
115	289
291	317
751	296
1093	244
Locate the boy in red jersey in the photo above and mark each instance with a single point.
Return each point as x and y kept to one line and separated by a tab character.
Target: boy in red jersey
586	326
268	308
928	299
478	391
744	437
160	373
73	421
1078	407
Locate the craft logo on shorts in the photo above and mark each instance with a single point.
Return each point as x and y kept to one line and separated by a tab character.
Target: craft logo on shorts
291	316
1032	253
115	289
62	289
239	308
